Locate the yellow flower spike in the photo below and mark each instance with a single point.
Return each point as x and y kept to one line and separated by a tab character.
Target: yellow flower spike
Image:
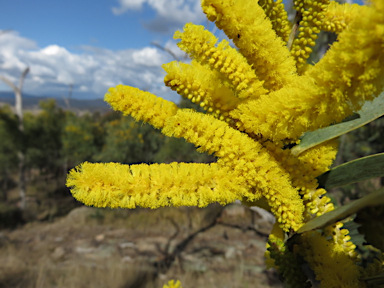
276	13
143	106
350	73
338	16
304	170
318	159
262	176
238	74
279	256
173	284
341	239
312	12
333	268
152	186
246	24
353	70
276	238
283	114
202	83
196	41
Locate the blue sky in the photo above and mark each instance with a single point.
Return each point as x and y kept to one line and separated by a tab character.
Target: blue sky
74	23
91	44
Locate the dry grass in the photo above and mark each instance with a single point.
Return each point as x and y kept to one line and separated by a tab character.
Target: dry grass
119	248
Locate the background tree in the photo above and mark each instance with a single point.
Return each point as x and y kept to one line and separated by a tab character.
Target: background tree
130	142
9	135
43	138
19	113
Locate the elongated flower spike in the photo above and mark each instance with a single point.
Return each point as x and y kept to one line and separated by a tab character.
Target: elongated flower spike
276	13
259	103
246	158
331	265
312	12
152	186
143	106
239	75
202	86
173	284
338	16
245	23
279	256
349	74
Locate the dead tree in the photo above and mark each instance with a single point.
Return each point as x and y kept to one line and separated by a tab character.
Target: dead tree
19	113
67	99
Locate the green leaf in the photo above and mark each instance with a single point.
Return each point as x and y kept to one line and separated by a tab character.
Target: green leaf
354	171
375	280
369	112
372	199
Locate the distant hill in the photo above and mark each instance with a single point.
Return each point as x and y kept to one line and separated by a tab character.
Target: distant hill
31	102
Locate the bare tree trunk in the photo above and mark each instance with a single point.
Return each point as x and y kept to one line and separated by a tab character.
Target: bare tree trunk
22	195
5	185
19	113
67	99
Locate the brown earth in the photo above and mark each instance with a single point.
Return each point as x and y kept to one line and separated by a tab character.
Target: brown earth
210	247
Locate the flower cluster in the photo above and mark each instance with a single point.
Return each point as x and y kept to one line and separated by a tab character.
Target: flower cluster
258	98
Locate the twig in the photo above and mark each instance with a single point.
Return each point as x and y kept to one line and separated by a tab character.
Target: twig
166	50
247	228
295	26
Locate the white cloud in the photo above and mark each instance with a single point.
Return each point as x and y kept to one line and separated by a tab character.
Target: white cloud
126	5
92	70
170	14
148	56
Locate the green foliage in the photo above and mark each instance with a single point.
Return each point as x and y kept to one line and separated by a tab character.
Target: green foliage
353	171
9	145
9	135
373	199
127	141
369	112
42	132
372	225
79	138
178	150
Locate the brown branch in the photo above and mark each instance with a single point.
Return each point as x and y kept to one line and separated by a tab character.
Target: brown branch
9	83
5	31
166	50
244	228
164	264
22	78
295	26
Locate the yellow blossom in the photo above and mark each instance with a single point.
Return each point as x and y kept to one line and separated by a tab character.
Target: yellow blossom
312	12
351	72
256	103
245	23
332	266
248	160
143	106
173	284
338	16
275	11
152	186
236	72
202	86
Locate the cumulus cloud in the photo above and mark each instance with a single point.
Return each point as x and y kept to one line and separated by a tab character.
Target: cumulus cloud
91	70
170	14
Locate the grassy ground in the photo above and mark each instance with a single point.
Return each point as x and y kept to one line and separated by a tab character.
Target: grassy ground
139	248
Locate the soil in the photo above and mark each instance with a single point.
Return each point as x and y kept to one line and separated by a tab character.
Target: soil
90	247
